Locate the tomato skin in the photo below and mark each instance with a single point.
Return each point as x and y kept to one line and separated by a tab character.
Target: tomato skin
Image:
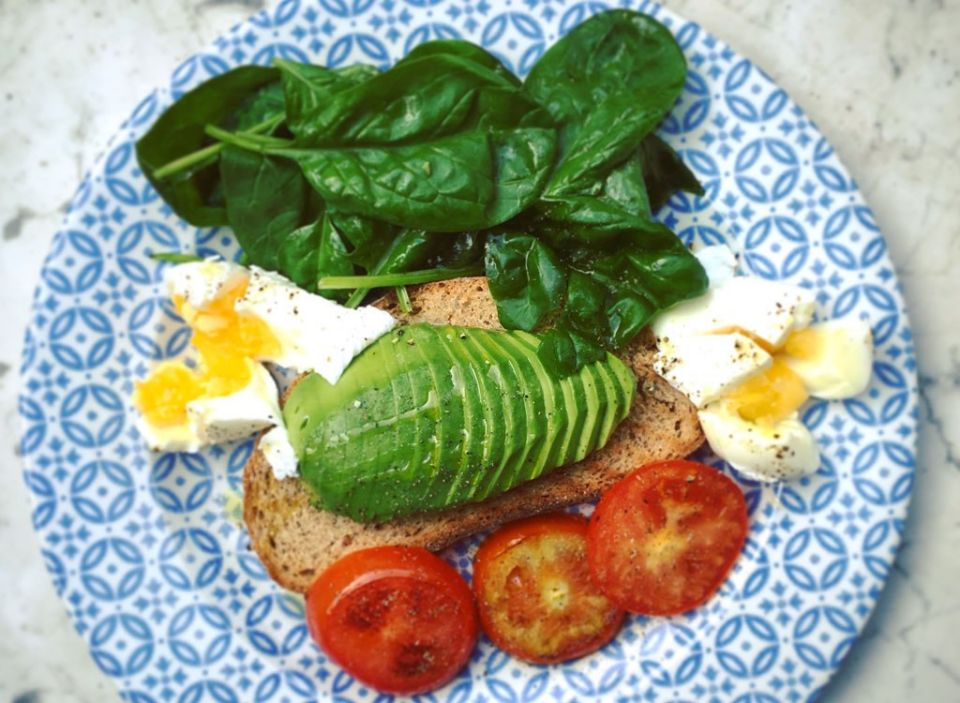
663	539
510	606
399	619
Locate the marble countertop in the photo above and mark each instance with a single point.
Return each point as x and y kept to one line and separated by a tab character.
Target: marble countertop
882	80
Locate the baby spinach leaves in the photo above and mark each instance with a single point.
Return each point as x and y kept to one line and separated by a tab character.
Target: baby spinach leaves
179	138
526	278
350	178
441	143
664	172
596	295
607	84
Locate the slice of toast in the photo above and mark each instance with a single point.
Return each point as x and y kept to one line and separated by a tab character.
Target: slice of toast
296	541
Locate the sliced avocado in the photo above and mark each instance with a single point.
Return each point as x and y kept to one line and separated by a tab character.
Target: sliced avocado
554	421
432	417
607	418
437	467
521	394
504	392
594	398
473	429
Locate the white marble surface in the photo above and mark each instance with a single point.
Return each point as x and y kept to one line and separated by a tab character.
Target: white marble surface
882	80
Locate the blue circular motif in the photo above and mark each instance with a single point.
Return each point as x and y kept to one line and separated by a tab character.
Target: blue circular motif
823	635
78	257
155	330
112	569
275	625
816	559
33	422
45	499
141	238
146	549
190	558
102	491
199	635
791	245
747	646
122	645
767	170
181	483
92	416
81	338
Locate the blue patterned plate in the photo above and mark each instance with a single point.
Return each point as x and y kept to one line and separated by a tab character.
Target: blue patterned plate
147	552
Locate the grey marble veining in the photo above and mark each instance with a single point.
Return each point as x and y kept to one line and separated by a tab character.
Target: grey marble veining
882	81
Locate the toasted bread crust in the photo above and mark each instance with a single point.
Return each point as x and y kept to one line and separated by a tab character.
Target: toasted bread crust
295	541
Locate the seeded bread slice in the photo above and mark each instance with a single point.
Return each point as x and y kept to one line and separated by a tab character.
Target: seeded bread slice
295	541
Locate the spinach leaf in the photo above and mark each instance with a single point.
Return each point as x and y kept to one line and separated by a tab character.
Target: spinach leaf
307	89
526	279
625	185
263	105
664	172
563	351
278	220
459	250
431	97
608	83
606	138
474	179
439	143
266	199
464	49
366	239
312	251
603	292
405	251
621	204
192	191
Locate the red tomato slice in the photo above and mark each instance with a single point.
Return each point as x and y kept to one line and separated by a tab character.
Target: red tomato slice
663	539
396	618
534	593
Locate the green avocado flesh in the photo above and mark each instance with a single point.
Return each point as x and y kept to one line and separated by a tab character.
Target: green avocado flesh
429	417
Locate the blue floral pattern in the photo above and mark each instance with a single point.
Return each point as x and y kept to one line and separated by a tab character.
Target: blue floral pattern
148	554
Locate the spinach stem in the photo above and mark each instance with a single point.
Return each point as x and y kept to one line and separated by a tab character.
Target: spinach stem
175	257
403	300
209	153
387	280
244	140
356	297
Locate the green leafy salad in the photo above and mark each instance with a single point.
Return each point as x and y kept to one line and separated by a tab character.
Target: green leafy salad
353	179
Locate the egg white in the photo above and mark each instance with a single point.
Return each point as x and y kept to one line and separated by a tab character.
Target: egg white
705	366
237	415
768	310
777	452
843	365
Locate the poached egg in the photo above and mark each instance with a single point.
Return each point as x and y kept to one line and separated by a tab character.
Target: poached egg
748	355
239	318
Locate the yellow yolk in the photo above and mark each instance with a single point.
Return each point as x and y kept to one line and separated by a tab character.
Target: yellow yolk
762	343
226	340
771	396
804	344
163	396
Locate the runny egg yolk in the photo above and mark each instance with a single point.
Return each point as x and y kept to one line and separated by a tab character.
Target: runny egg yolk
227	342
162	396
804	344
771	396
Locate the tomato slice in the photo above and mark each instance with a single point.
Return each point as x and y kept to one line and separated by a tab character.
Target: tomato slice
534	592
396	618
664	538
